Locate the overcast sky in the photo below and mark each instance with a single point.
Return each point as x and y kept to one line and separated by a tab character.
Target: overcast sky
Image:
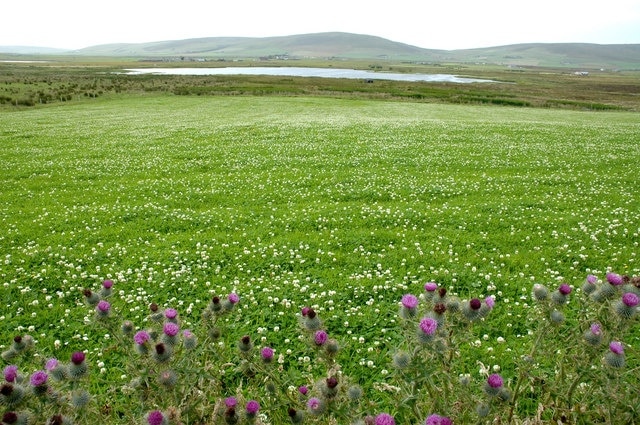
437	24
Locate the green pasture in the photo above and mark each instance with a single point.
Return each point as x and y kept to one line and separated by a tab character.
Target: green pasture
340	204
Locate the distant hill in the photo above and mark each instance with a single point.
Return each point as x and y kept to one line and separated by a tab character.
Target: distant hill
575	55
338	45
321	45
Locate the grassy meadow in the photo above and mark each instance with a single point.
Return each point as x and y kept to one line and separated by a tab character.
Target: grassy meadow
342	205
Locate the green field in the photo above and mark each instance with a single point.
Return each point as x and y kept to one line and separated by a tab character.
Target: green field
339	204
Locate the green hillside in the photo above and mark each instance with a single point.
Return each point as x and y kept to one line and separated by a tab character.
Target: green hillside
339	45
322	45
556	54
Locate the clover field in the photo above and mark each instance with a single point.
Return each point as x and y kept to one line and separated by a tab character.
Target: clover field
338	204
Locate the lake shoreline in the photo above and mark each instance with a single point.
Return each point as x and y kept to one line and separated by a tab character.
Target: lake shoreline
285	71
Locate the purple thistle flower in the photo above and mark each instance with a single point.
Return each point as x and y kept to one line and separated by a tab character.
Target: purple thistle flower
303	389
320	337
234	298
475	304
437	420
78	367
490	301
430	286
10	418
305	311
51	364
589	285
267	354
107	284
428	325
141	337
171	313
564	289
252	407
170	329
596	329
10	373
630	299
230	402
332	382
439	309
409	301
495	381
493	385
315	404
189	339
103	307
614	279
156	417
77	357
616	347
615	355
38	378
385	419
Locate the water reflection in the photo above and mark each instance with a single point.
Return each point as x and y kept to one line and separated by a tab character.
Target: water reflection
310	72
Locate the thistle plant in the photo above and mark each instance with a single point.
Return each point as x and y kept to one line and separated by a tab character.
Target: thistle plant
54	394
426	361
212	372
577	358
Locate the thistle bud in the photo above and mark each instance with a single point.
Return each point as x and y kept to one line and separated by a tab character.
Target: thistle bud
626	307
90	297
401	360
106	288
245	344
593	335
354	393
161	353
78	367
615	355
296	416
311	321
557	317
330	387
168	378
215	305
80	398
589	284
